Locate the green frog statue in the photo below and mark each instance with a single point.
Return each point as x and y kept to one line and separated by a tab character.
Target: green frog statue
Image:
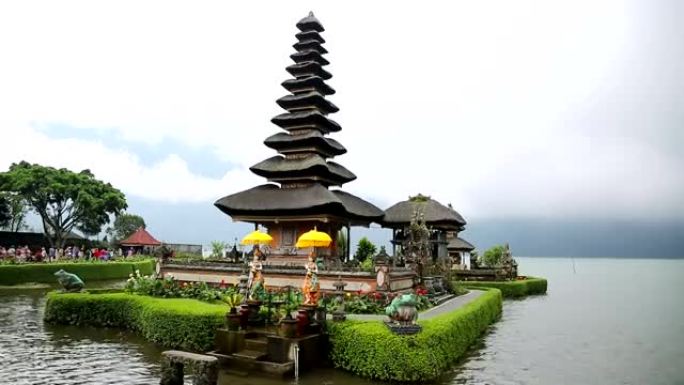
402	310
70	282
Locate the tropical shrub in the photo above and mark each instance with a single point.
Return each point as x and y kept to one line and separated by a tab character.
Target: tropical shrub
370	350
217	248
173	322
14	274
376	302
512	289
367	265
365	249
492	256
170	288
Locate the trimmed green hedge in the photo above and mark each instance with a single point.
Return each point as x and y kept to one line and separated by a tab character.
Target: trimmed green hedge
511	289
88	271
181	323
370	350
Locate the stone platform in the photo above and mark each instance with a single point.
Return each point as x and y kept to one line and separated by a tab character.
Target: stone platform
283	276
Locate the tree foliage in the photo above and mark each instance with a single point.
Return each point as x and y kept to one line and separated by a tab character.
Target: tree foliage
64	200
493	256
217	248
13	210
364	250
341	243
4	211
126	224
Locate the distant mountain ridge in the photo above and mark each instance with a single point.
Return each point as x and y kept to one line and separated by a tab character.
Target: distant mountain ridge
202	223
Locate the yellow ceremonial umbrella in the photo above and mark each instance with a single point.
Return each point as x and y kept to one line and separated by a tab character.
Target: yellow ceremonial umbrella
256	237
314	238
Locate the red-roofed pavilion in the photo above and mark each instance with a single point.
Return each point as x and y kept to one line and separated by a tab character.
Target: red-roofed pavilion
140	238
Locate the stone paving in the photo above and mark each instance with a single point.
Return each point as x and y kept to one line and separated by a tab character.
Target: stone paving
446	307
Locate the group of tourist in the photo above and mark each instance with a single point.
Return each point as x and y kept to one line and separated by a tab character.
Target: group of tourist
25	254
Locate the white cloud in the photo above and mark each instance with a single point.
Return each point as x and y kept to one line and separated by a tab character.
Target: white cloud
502	108
167	180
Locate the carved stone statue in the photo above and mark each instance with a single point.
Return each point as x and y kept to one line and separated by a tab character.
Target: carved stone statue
255	284
311	287
402	309
70	282
508	263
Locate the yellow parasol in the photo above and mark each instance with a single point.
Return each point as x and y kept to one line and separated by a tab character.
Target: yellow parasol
256	237
314	238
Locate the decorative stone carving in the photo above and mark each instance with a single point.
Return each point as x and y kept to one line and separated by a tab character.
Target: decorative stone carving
255	285
70	282
403	313
382	263
339	313
311	287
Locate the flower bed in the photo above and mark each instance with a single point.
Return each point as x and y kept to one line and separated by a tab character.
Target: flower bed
173	322
376	302
139	283
512	289
14	274
370	350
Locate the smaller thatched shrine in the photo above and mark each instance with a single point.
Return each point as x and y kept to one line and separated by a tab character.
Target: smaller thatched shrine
460	252
443	221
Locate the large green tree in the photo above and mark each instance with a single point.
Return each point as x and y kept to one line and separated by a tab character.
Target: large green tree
64	200
126	224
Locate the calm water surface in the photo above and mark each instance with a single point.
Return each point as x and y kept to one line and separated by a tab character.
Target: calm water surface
605	321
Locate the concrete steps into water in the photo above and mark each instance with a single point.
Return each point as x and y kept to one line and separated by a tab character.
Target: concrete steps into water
240	363
253	357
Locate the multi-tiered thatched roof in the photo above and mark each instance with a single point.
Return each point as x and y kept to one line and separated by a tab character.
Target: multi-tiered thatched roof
302	173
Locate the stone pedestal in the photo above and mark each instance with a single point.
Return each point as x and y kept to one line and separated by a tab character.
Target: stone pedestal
253	317
174	363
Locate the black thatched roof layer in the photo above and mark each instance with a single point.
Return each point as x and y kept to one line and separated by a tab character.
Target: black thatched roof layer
310	44
458	244
309	55
358	206
307	101
313	167
309	68
310	119
271	200
310	35
436	214
313	140
311	83
310	23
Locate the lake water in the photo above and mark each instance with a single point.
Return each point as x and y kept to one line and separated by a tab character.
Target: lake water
603	321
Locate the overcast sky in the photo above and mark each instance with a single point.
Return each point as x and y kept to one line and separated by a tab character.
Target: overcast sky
531	109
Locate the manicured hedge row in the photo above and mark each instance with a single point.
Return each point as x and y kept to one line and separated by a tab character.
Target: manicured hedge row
512	289
173	322
370	350
88	271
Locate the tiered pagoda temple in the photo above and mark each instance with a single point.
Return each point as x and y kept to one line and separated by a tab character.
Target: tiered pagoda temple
298	196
